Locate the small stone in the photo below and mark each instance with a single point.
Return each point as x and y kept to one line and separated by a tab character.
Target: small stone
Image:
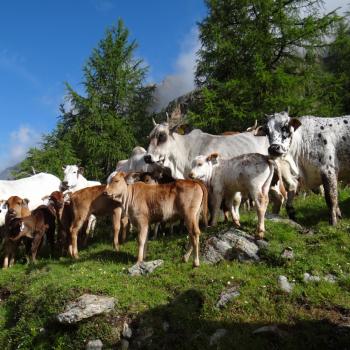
127	331
226	296
330	278
86	306
165	326
287	254
310	278
277	218
219	333
284	284
144	268
273	328
94	345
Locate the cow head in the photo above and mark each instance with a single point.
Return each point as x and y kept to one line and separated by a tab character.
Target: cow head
17	207
161	143
279	129
202	167
71	176
56	199
117	188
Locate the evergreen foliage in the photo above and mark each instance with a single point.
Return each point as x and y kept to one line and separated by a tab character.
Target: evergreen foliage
258	57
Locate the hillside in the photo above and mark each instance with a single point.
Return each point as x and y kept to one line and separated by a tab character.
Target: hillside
174	308
6	174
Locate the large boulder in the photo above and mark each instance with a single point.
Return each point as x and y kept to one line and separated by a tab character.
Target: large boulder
86	306
231	244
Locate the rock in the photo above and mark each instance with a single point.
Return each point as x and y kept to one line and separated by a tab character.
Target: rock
94	345
165	326
313	278
310	278
330	278
124	344
287	254
284	284
232	244
270	329
86	306
144	268
226	296
277	218
262	244
127	331
219	333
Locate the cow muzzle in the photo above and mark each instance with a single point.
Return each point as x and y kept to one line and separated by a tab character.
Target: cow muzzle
276	150
64	186
148	159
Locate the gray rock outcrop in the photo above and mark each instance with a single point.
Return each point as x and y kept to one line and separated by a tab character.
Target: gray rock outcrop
144	268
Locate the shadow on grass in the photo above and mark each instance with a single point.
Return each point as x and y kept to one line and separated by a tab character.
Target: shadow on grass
181	324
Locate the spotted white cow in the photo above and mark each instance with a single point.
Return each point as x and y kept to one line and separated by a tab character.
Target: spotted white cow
319	148
248	174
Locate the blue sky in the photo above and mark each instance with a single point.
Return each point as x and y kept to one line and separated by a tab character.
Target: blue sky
44	43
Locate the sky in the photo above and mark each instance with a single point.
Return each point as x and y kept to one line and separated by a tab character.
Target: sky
44	44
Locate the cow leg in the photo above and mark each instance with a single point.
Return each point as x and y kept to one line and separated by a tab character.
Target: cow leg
276	198
74	230
261	202
216	202
195	241
329	180
35	245
117	220
237	200
155	230
8	251
289	204
142	238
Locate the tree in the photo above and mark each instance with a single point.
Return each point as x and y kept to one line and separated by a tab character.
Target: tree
101	126
259	56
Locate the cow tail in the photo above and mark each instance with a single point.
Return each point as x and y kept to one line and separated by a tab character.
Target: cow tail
273	166
204	205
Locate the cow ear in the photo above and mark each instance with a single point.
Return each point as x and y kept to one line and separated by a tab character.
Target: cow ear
260	131
63	168
295	123
213	158
81	170
26	201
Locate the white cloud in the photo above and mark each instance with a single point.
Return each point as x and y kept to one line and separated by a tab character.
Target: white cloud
20	142
182	80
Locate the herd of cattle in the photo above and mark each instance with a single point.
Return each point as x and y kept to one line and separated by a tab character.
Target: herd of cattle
179	178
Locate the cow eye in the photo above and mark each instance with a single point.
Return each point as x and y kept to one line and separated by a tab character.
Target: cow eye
284	129
162	137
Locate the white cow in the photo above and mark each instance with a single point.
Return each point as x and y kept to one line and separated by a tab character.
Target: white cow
249	174
73	181
320	149
34	188
3	211
136	163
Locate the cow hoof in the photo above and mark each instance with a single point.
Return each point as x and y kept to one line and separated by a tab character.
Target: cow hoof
259	235
196	264
185	258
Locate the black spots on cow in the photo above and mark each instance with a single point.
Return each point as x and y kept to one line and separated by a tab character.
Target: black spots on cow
320	160
330	157
325	142
330	125
319	135
329	172
345	121
322	127
343	138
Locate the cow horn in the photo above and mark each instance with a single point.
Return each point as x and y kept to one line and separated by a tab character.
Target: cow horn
154	122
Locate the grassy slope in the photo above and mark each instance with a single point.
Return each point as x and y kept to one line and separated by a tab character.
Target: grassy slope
186	297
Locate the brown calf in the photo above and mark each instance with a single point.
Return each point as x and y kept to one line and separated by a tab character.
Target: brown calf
41	221
145	204
17	208
87	201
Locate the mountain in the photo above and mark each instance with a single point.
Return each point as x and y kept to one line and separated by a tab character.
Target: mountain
6	174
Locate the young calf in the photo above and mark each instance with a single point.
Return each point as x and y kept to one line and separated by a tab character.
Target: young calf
88	201
16	207
40	222
249	174
145	204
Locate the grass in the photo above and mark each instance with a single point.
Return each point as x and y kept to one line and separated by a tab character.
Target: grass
185	298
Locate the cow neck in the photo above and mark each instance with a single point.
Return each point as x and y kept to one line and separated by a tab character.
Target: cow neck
180	154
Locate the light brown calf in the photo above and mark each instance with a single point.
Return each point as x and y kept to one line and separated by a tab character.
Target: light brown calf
17	208
145	204
88	201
